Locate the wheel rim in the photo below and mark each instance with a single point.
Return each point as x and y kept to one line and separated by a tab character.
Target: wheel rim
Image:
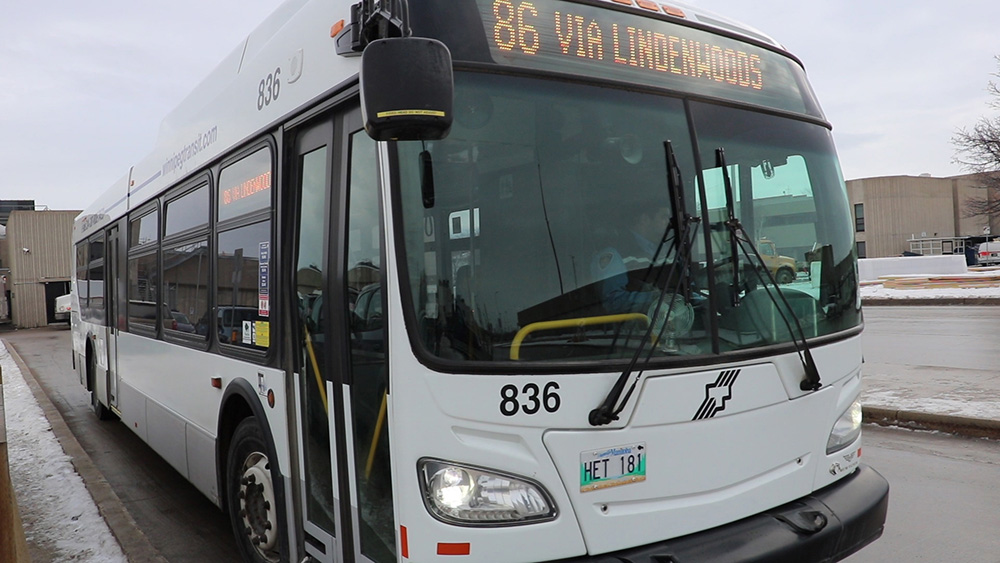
257	506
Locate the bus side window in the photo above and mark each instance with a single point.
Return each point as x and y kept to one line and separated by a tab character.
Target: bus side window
243	257
143	272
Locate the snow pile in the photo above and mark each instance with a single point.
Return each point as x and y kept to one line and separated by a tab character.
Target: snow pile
935	286
59	515
874	268
880	292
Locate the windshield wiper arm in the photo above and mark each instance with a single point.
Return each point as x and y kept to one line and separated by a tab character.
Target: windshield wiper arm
734	257
738	236
680	224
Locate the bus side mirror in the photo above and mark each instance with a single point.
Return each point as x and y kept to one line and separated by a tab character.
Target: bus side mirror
407	89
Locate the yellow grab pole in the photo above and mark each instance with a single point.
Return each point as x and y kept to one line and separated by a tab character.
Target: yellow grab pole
376	437
515	346
316	373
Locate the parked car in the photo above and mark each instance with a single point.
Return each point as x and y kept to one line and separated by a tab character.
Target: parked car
64	306
182	323
989	253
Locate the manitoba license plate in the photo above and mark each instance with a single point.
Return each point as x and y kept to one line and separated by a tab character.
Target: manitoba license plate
612	467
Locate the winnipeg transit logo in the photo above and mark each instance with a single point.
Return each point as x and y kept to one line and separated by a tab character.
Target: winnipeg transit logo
716	395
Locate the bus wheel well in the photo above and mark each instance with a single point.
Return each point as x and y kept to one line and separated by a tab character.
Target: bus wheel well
234	411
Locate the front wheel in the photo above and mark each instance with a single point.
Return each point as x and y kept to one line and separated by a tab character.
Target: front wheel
785	275
252	499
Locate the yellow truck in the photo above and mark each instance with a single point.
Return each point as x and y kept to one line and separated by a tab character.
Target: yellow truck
781	267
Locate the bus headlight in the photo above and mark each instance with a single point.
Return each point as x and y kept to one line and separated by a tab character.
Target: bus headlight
471	496
847	428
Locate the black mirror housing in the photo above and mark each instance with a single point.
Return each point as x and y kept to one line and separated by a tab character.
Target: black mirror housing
407	89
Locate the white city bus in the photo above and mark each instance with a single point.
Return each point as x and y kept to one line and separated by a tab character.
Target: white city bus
479	280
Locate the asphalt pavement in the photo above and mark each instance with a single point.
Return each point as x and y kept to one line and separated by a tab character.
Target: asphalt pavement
938	378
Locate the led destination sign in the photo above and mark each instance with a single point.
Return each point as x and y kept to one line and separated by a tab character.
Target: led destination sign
602	42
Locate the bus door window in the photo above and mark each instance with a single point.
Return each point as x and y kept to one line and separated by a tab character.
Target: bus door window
369	369
82	263
312	334
94	312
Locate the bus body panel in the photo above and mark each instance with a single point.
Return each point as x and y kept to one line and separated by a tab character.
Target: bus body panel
711	472
699	474
167	399
109	206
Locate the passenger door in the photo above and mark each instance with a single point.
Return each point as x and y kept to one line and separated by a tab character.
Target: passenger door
112	262
341	370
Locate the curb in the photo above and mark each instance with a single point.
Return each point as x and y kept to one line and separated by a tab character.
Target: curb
923	301
133	542
959	425
13	545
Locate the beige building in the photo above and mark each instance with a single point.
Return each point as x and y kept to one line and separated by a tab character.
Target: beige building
892	212
40	257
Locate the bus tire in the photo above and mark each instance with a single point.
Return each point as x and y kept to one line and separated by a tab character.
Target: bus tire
251	496
102	412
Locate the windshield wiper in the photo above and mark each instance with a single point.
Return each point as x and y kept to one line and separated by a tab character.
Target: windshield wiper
683	233
739	237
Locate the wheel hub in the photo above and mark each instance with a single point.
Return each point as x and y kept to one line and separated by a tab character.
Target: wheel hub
257	506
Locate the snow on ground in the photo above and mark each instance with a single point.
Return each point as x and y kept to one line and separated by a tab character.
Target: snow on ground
60	517
952	404
879	292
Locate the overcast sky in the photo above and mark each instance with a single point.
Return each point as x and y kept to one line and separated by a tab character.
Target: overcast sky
87	83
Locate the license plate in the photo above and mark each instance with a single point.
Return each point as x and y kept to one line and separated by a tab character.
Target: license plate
612	467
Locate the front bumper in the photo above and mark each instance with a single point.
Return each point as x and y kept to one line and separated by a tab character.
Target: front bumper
826	526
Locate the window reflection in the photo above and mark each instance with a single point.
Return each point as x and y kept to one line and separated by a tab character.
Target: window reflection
313	331
187	212
552	235
143	291
185	287
368	355
243	315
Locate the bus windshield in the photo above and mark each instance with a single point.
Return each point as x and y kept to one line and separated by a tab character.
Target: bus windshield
540	229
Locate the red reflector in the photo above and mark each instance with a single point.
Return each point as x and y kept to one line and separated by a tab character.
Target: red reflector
453	548
404	543
337	28
217	382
